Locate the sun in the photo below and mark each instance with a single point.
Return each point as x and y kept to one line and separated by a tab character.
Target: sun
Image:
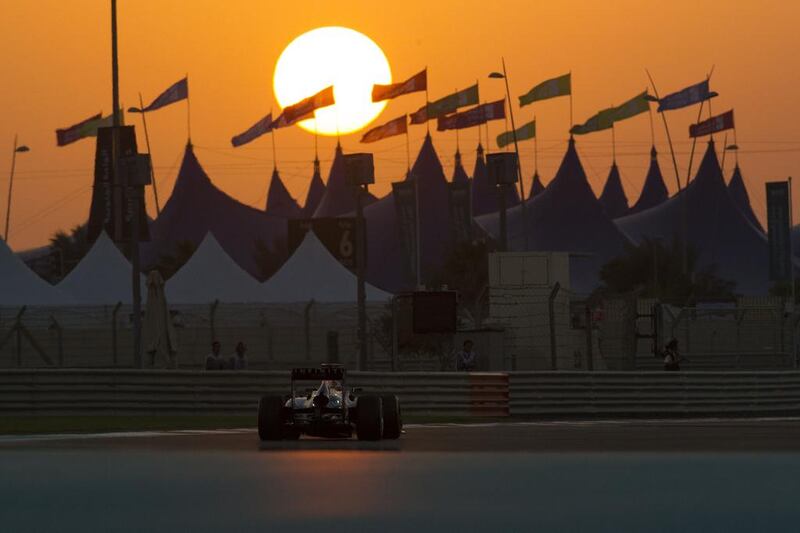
338	56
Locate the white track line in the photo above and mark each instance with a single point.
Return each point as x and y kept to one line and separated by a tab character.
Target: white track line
476	425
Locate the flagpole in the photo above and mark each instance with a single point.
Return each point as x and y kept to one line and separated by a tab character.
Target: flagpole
274	153
150	153
10	185
570	103
188	111
427	105
684	201
613	144
516	149
735	152
408	153
724	153
535	149
652	128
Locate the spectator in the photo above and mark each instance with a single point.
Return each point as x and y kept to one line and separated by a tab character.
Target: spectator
466	359
214	360
672	358
239	359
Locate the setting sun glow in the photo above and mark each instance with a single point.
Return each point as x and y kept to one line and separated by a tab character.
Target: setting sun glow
344	58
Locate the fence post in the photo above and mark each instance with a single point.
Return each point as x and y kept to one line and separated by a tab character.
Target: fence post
395	343
552	312
59	338
212	318
589	326
18	332
114	323
307	327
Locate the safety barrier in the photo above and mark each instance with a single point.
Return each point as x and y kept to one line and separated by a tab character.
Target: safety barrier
528	394
653	393
151	392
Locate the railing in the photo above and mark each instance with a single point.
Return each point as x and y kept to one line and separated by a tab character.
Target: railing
153	392
653	393
446	394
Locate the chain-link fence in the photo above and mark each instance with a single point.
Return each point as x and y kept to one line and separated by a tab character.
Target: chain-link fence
277	336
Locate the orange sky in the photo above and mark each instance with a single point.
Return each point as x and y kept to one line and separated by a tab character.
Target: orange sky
56	63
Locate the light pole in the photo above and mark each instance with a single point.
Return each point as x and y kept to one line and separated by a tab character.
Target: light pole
504	77
141	110
17	150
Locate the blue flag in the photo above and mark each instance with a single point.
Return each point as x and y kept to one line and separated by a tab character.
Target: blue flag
254	132
177	91
686	97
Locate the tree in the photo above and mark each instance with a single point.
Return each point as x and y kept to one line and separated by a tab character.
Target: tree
67	250
655	270
168	264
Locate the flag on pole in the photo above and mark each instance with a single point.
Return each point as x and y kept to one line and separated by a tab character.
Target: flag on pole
598	122
560	86
177	91
282	122
635	106
712	125
296	112
418	82
446	105
686	97
473	117
525	132
254	132
394	127
81	130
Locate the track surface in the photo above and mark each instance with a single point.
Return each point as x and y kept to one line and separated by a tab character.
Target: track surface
724	475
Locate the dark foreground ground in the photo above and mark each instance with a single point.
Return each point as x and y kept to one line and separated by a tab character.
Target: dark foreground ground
683	475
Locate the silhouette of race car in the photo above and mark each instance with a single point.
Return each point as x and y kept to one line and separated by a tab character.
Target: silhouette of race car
330	410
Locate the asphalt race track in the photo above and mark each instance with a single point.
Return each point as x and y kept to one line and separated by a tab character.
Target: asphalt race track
687	475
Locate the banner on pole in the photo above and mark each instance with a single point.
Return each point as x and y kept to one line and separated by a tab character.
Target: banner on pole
338	235
405	203
112	201
779	231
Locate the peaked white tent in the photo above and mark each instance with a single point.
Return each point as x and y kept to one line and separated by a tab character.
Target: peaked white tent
312	273
209	275
20	286
102	277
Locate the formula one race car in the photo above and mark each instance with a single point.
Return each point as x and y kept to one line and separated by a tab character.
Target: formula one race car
330	410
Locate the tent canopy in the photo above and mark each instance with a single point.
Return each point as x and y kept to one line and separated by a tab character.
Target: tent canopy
738	191
316	190
536	185
654	192
718	231
20	285
459	174
339	198
565	217
312	273
209	275
279	201
102	277
196	207
613	197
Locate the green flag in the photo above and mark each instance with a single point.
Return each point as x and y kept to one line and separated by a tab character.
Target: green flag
600	121
528	131
560	86
450	103
635	106
446	105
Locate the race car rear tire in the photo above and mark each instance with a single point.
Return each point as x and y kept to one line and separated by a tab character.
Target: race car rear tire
370	418
392	417
270	418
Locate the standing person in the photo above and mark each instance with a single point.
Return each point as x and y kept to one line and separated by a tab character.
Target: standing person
214	359
672	358
239	359
466	359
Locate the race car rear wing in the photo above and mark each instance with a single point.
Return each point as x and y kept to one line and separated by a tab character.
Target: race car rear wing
318	374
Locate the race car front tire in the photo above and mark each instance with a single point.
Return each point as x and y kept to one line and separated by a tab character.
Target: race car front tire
270	418
392	417
370	418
